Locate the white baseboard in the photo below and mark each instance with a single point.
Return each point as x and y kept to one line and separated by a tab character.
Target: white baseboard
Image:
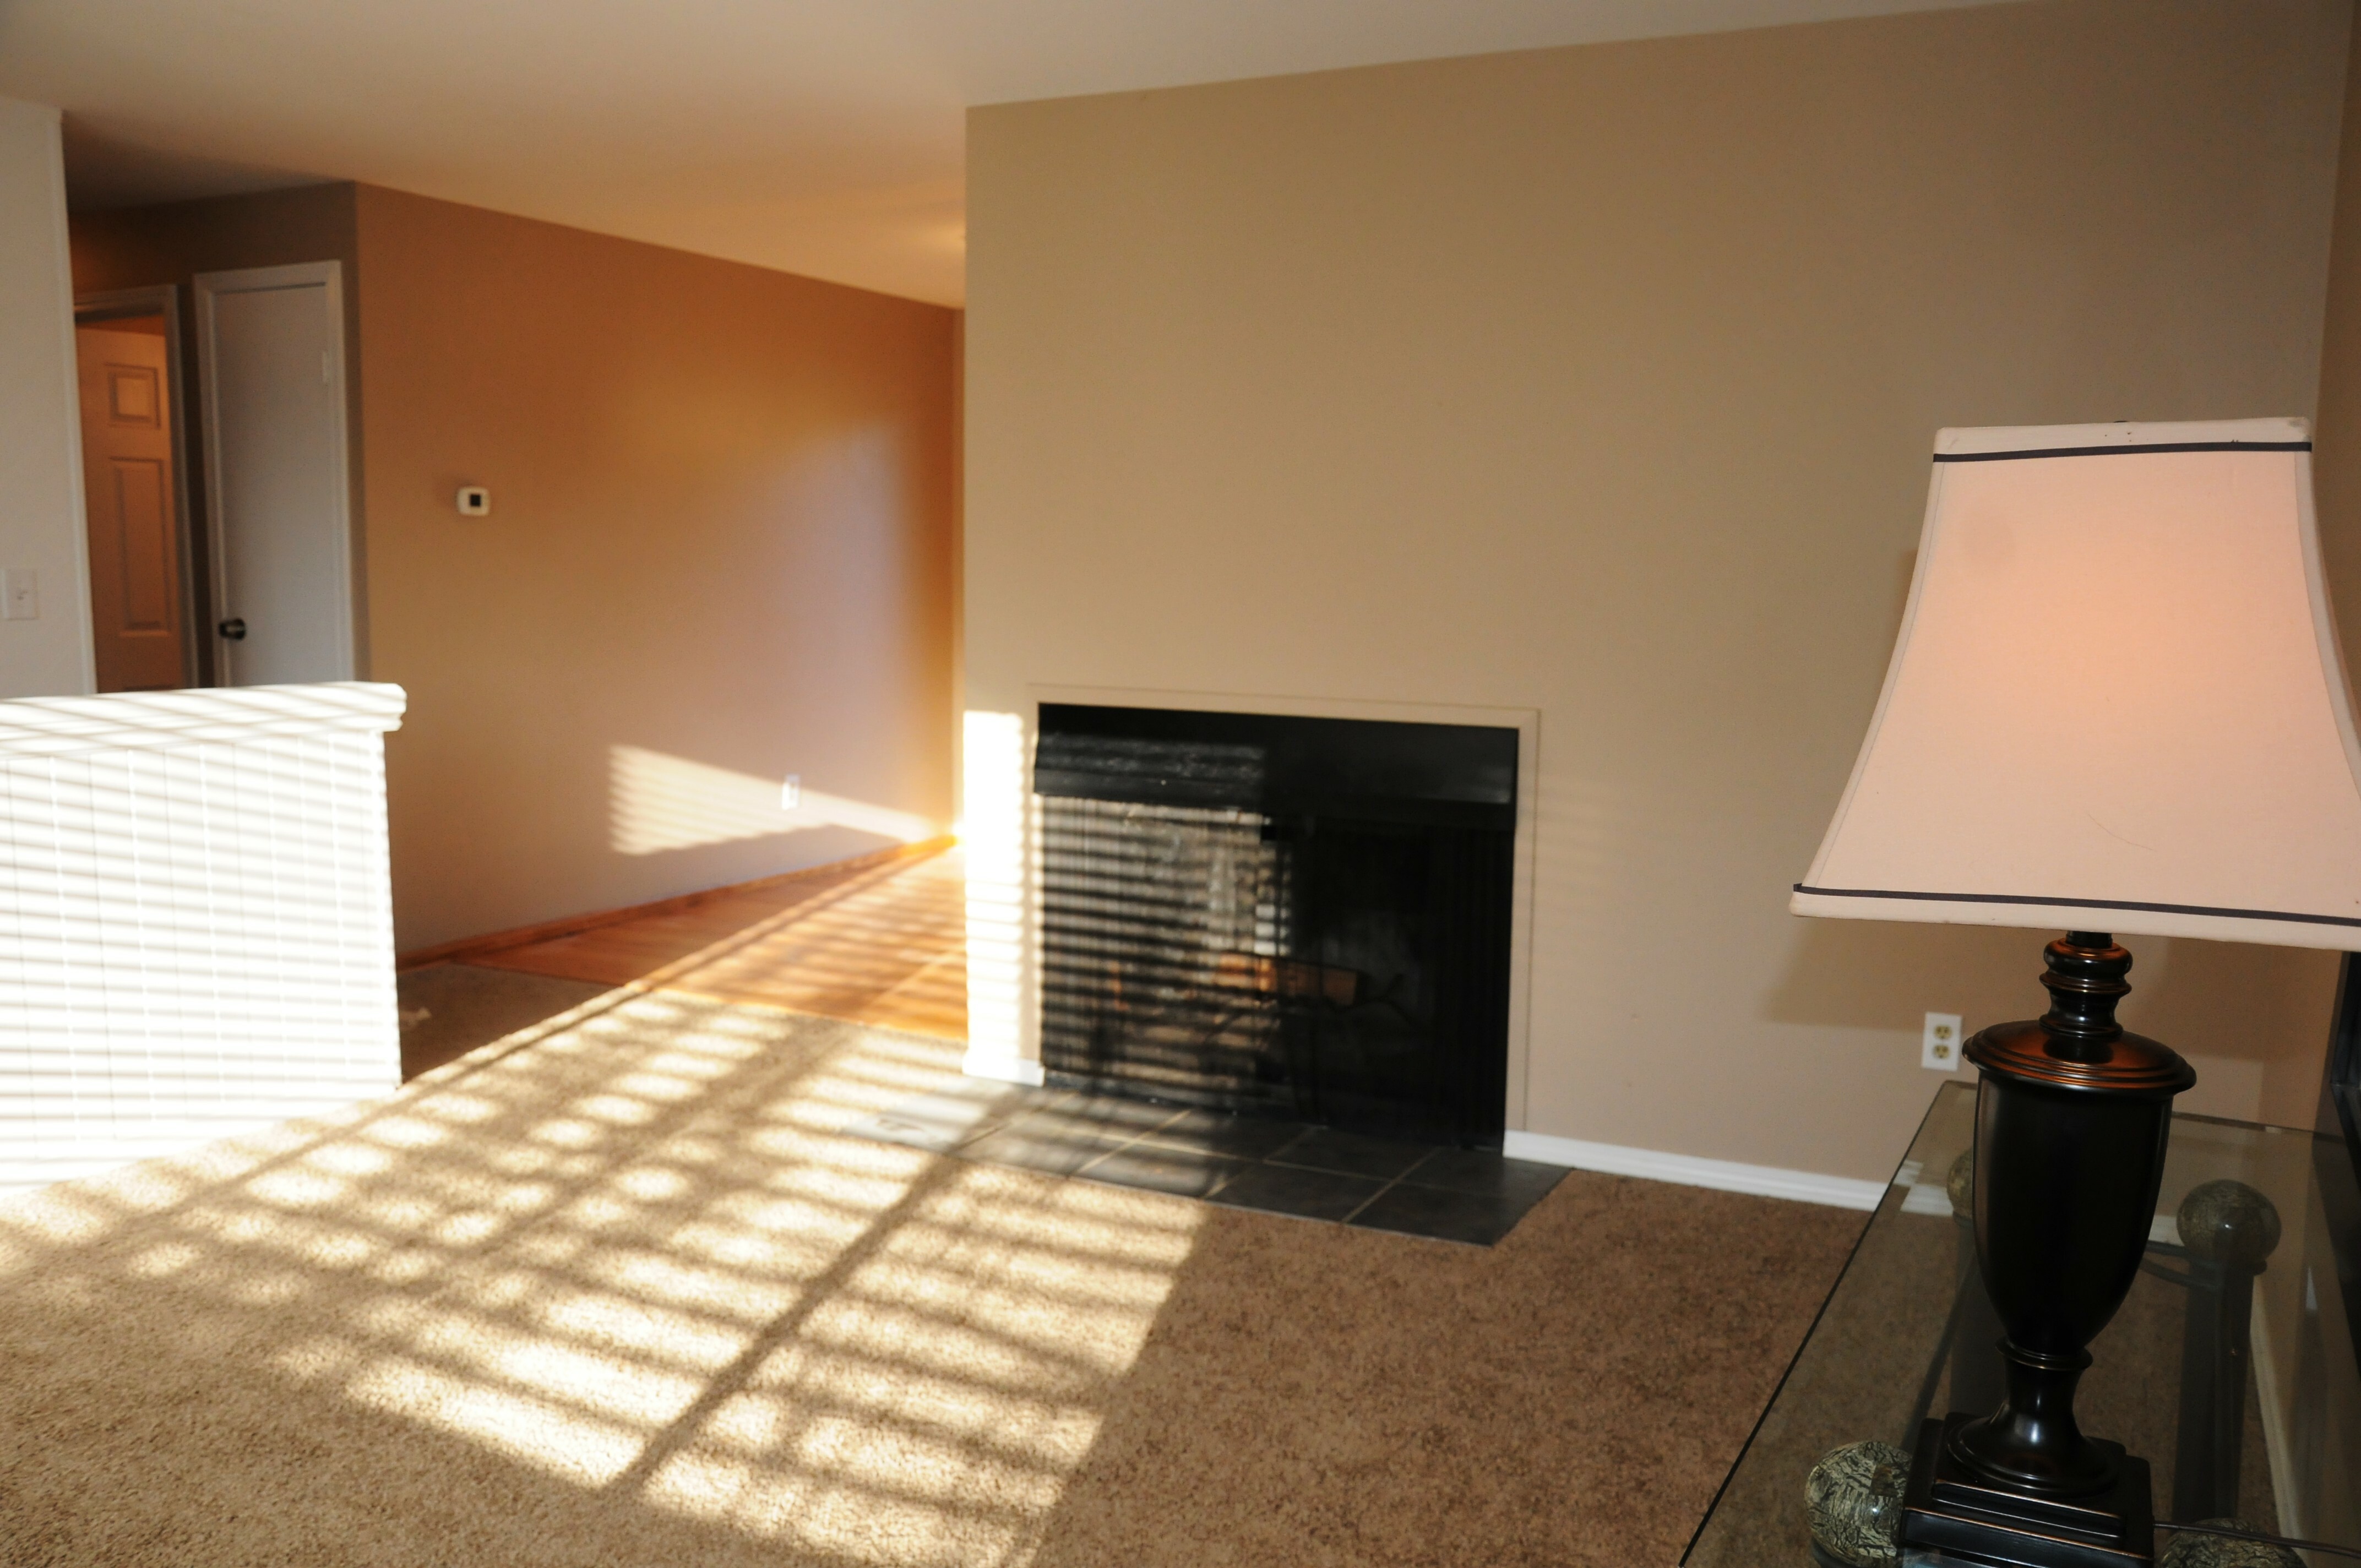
1005	1070
1689	1170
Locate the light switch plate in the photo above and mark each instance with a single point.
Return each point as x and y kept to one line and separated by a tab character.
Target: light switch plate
1939	1046
20	593
791	792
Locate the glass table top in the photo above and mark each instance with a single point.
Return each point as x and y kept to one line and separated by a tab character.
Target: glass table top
1898	1332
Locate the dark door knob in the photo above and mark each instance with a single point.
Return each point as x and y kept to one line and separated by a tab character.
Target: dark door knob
234	628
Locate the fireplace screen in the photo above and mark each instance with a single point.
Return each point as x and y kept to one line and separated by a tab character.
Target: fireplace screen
1306	918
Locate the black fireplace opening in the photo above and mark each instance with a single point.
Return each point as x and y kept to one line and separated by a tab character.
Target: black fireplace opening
1270	915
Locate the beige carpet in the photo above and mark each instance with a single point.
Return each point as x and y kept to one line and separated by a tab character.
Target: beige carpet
617	1291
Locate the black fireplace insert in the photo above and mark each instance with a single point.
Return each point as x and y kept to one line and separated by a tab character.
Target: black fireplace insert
1305	919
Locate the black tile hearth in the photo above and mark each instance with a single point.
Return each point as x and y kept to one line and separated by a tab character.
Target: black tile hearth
1052	1148
1242	1162
1480	1218
1115	1115
1350	1153
1181	1173
1482	1171
1241	1137
1306	1194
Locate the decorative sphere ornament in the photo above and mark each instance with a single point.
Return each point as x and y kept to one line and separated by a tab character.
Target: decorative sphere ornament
1959	1187
2228	1222
2190	1550
1854	1496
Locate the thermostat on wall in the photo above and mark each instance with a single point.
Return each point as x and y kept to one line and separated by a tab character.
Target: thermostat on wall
475	501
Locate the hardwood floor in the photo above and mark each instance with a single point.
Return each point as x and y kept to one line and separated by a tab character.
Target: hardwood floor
882	945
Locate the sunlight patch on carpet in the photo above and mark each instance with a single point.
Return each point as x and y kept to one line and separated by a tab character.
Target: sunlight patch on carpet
634	1248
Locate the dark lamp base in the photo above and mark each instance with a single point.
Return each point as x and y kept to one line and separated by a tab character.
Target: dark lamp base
2072	1115
1951	1509
2031	1442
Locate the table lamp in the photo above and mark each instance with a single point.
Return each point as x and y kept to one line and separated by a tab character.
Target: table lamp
2116	704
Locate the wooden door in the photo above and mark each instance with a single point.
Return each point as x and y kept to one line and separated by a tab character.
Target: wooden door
138	598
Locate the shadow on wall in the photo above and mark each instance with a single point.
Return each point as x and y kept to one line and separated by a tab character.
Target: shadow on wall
1880	974
2253	1020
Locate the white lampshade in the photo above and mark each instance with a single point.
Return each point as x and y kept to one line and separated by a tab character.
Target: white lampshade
2116	703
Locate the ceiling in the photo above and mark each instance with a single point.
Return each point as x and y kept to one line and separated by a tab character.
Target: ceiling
820	137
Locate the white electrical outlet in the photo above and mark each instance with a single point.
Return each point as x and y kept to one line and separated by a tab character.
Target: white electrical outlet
791	792
20	593
1939	1046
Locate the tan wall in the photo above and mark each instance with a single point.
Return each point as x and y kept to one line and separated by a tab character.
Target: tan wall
721	539
49	654
136	247
1600	381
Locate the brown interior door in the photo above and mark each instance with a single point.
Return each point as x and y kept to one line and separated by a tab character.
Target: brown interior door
136	596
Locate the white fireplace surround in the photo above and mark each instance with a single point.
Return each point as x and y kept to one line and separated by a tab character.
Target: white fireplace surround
999	832
196	918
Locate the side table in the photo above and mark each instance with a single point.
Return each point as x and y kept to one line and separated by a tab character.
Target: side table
2233	1374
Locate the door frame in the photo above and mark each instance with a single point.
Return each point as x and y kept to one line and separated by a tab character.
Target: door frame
207	287
97	309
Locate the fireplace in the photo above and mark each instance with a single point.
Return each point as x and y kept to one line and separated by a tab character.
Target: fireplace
1271	915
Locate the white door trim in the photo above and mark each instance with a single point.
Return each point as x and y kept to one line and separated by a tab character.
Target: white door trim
208	286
